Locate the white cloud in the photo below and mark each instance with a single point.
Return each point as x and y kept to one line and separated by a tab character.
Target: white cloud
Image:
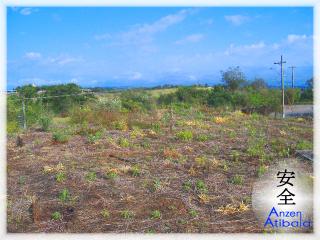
294	38
27	11
33	55
63	60
236	19
232	49
140	34
136	76
193	38
105	36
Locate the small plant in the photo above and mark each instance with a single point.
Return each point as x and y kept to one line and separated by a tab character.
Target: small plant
145	143
126	214
156	214
261	170
202	138
22	180
303	145
135	171
201	186
193	213
64	195
112	174
56	216
92	138
91	176
219	120
123	142
156	185
60	177
235	155
185	135
201	160
60	137
156	127
256	148
45	122
187	186
105	213
171	153
237	180
121	125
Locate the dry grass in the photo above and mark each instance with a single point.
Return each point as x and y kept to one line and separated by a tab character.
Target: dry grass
131	182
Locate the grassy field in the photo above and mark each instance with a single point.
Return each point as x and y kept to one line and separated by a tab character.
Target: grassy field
183	171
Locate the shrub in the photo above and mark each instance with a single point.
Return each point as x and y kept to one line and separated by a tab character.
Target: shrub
304	144
135	171
105	213
64	195
187	186
121	125
193	213
56	216
156	214
157	185
237	180
92	138
45	122
126	214
202	138
201	160
60	177
184	135
60	137
91	176
123	142
201	186
261	170
112	174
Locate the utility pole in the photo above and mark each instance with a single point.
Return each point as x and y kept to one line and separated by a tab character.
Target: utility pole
292	75
282	83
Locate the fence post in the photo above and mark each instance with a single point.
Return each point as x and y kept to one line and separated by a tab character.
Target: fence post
24	114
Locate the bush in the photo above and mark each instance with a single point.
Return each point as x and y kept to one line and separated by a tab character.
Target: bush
45	122
303	145
137	100
56	216
60	137
156	214
64	195
184	135
237	180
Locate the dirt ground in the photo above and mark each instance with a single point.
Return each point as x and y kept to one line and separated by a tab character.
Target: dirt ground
167	179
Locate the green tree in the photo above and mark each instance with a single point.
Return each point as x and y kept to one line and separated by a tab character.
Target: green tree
258	83
233	78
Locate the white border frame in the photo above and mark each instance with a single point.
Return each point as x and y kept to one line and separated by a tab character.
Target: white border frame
165	3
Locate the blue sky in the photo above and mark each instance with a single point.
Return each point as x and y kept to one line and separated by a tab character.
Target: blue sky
148	46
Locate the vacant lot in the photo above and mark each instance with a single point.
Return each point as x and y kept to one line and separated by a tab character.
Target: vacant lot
188	171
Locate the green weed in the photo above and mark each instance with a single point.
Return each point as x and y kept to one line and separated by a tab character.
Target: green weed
237	180
105	213
60	137
201	187
126	214
60	177
156	214
91	176
185	135
56	216
64	195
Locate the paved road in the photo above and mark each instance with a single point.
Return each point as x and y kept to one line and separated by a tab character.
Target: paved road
298	110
